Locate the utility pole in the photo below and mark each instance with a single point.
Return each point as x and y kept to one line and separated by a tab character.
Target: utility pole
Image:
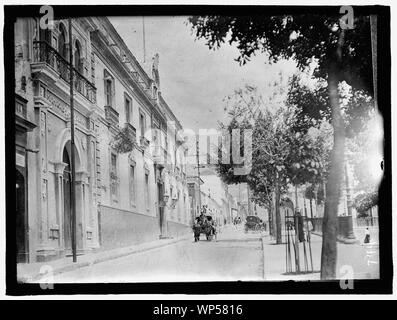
72	147
198	171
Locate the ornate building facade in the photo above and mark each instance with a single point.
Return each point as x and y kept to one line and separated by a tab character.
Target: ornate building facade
122	198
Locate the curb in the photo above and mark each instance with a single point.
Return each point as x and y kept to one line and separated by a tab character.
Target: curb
339	238
263	258
70	267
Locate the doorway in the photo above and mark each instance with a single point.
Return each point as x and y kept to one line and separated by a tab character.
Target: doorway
160	202
21	219
67	202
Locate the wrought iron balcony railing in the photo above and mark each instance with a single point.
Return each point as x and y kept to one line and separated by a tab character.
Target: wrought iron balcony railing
44	52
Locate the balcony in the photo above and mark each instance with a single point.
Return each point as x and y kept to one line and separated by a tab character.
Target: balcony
131	131
22	123
47	59
112	116
160	156
180	139
144	142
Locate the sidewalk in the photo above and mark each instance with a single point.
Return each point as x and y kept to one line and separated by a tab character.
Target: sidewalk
362	260
30	272
359	233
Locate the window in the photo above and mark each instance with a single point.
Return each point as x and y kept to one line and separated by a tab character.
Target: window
128	110
63	51
78	63
109	88
62	47
108	92
45	35
113	177
147	197
155	92
142	124
132	185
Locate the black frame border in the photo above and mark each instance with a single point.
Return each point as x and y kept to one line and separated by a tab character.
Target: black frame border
381	286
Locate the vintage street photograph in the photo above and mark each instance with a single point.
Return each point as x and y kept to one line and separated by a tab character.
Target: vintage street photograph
199	145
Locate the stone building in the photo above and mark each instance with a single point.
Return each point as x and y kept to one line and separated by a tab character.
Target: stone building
121	198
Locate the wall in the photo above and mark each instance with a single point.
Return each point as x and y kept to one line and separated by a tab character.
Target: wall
120	228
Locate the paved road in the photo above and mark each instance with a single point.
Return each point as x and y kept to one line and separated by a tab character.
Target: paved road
233	256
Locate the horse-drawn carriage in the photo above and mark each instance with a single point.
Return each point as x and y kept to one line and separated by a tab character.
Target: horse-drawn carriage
206	225
254	223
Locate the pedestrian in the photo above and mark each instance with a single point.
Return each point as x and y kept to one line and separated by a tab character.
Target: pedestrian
367	236
310	225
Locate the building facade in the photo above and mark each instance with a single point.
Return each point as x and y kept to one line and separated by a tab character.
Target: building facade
122	197
210	192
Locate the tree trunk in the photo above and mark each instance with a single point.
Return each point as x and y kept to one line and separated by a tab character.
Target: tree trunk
329	251
311	208
270	217
278	217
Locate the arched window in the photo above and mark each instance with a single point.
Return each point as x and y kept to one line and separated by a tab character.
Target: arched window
62	47
77	58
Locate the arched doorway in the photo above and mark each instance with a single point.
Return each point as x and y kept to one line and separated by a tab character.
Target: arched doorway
21	223
67	197
67	230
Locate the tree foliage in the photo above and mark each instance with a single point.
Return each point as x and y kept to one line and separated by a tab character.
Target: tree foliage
303	37
365	201
313	105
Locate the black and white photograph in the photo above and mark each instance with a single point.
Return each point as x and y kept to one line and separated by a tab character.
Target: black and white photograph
188	145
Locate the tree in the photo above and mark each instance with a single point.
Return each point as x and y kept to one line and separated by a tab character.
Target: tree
281	154
365	201
365	154
340	55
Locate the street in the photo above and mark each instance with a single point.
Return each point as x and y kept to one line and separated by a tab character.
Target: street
233	256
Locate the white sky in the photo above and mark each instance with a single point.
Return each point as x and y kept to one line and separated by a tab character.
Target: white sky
194	79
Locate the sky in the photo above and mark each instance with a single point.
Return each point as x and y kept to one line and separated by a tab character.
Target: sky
194	80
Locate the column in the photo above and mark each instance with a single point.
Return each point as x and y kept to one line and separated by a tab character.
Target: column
81	208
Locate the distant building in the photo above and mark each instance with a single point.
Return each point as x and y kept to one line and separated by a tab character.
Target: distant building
213	190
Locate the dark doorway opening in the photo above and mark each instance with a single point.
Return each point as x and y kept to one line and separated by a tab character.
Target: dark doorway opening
67	231
21	219
160	202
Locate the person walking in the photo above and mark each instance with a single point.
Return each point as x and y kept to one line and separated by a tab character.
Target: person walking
367	238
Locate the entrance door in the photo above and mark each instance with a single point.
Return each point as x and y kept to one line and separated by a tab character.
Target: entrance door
66	203
160	202
21	223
